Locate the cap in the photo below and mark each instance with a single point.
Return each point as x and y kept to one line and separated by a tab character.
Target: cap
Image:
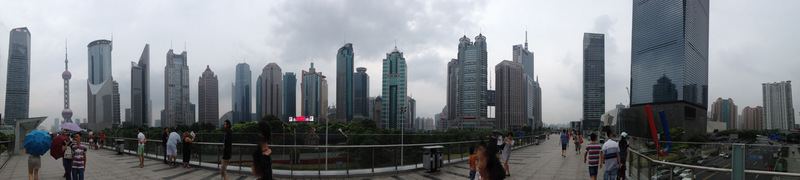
624	134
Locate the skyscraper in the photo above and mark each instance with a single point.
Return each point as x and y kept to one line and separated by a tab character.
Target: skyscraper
537	104
471	86
411	113
313	88
66	75
522	55
176	91
753	118
141	109
361	94
289	96
18	77
594	80
116	113
272	90
452	90
208	98
100	85
394	91
259	98
344	83
242	99
510	96
669	62
778	108
724	110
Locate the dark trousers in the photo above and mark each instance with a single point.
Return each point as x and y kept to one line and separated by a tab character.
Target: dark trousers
165	153
67	167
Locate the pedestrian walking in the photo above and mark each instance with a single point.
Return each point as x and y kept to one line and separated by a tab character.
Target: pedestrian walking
564	142
91	140
102	138
78	158
140	149
623	155
487	163
187	148
34	163
609	157
472	163
509	143
164	138
226	150
593	150
262	161
172	148
578	140
66	148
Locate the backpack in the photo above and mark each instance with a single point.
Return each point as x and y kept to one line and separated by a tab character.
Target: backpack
68	152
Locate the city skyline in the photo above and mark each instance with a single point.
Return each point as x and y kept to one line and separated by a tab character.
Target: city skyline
554	42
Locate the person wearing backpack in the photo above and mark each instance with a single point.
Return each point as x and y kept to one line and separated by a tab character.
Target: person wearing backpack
67	161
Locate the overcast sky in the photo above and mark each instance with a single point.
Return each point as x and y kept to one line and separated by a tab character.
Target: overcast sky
751	42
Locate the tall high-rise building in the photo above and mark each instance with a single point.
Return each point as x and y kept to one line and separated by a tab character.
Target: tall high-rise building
208	98
344	83
141	109
411	113
100	85
117	115
259	98
669	62
594	80
510	104
242	99
18	77
471	85
724	110
289	96
753	118
313	88
394	91
66	75
127	117
452	89
778	108
177	110
272	90
377	111
537	104
361	94
522	55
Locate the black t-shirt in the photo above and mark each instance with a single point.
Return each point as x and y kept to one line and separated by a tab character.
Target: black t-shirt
263	163
164	138
227	142
623	147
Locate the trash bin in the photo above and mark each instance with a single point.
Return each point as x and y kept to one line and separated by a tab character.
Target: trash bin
120	145
432	158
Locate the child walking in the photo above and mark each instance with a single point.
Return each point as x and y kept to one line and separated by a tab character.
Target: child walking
472	163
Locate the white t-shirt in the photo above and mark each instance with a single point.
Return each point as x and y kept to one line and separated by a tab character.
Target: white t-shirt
141	138
499	140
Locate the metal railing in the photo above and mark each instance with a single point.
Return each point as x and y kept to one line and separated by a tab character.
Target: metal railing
310	160
5	152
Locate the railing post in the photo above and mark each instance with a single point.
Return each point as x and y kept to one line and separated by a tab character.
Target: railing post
737	162
240	159
373	161
347	161
200	156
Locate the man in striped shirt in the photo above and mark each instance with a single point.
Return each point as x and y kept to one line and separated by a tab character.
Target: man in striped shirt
609	157
78	158
593	150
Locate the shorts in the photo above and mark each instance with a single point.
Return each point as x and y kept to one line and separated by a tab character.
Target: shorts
34	162
592	171
172	150
140	150
563	146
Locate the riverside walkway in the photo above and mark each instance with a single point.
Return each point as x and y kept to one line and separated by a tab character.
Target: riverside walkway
542	161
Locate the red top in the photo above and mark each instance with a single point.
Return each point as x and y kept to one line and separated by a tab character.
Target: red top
102	137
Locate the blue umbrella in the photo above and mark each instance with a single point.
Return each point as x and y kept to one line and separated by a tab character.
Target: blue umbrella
37	142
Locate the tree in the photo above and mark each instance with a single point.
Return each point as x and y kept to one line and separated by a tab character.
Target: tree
677	133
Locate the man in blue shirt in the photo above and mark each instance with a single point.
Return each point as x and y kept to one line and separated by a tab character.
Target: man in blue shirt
564	142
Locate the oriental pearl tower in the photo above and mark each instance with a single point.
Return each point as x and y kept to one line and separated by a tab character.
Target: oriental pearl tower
66	113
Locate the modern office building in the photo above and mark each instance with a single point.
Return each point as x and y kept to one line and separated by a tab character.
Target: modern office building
177	110
259	99
669	62
510	102
66	76
271	91
452	90
594	80
724	110
377	111
18	77
208	98
522	55
361	94
470	107
100	85
393	94
778	108
128	121
242	97
411	113
537	105
313	94
344	83
117	115
753	118
289	96
141	109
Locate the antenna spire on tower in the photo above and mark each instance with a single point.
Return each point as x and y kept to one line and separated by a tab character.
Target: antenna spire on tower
526	39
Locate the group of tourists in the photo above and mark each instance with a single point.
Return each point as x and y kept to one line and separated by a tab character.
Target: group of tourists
490	161
611	154
67	146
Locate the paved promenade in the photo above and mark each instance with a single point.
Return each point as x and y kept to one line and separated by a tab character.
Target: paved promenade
533	162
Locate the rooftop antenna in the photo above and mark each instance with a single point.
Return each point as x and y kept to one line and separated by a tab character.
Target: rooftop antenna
526	39
184	46
66	61
170	43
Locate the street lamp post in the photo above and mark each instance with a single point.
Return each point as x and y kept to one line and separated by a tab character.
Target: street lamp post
326	144
402	136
